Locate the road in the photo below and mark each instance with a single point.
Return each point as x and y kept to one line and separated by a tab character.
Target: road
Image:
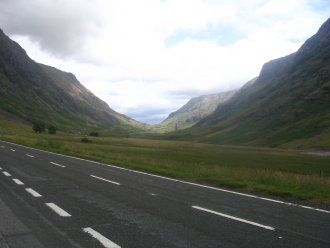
71	202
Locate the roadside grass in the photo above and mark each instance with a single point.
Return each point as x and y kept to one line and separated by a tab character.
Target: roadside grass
281	172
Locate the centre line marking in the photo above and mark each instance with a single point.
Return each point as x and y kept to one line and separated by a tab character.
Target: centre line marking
58	210
179	181
103	240
63	166
234	218
13	150
33	192
18	182
6	174
31	156
106	180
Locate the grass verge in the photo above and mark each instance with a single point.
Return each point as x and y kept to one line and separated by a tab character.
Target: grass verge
286	173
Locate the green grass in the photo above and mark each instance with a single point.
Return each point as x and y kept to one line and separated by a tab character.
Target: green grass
287	173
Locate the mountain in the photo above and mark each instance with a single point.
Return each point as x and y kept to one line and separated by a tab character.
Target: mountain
193	111
36	92
288	104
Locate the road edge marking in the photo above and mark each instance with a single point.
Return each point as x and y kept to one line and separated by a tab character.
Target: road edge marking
106	180
181	181
63	166
234	218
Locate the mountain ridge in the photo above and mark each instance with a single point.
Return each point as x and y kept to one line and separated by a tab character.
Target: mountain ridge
194	110
289	101
37	92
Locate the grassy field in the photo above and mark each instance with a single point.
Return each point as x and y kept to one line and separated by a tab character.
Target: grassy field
287	173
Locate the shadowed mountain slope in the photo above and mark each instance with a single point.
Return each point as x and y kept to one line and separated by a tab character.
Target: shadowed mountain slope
37	92
289	103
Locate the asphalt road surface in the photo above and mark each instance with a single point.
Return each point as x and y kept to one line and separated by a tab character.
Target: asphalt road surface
52	200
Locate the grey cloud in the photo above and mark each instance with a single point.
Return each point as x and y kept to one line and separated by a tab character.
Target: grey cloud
60	27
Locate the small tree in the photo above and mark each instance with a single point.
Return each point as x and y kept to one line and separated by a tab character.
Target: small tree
94	133
52	129
85	140
39	127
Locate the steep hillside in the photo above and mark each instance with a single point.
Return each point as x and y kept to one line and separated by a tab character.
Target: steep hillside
289	103
193	111
32	91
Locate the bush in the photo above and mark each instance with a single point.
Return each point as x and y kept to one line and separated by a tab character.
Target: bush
52	130
85	140
94	133
39	127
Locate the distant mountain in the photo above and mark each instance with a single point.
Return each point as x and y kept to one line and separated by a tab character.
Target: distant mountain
193	111
288	104
36	92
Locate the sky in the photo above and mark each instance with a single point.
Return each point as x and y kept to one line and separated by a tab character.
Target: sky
146	58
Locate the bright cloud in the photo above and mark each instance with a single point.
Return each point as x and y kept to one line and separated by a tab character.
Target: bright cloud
146	58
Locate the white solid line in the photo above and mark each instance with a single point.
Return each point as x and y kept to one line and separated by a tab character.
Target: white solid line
105	180
13	150
234	218
18	182
103	240
58	164
6	174
181	181
31	156
33	192
58	210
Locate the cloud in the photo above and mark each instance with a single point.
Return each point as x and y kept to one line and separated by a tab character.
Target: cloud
151	56
59	27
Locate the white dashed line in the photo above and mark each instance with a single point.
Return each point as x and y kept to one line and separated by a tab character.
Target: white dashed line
0	168
33	192
58	210
152	194
12	150
2	147
103	240
106	180
18	182
234	218
6	174
31	156
63	166
180	181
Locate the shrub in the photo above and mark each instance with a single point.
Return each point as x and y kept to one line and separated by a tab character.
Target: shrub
39	127
52	130
85	140
94	133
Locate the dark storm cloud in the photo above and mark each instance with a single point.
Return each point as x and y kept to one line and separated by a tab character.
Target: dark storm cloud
59	26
